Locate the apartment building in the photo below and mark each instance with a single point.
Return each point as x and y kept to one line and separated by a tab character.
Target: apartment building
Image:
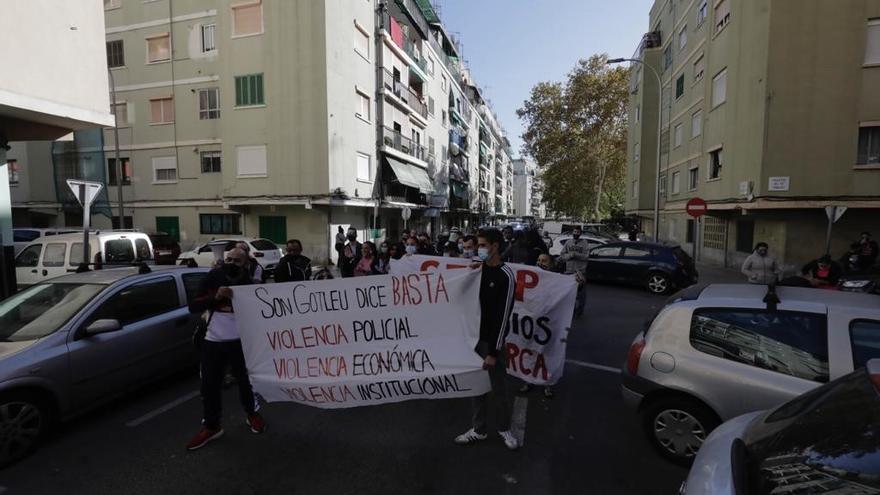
527	189
770	112
286	119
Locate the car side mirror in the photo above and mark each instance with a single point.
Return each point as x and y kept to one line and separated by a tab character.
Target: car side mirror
103	326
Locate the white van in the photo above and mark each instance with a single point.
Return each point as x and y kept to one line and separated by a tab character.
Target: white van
52	256
21	236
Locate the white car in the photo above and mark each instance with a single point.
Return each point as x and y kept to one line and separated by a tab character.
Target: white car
592	241
264	251
22	236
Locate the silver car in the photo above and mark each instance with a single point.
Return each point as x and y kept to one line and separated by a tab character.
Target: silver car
716	352
69	344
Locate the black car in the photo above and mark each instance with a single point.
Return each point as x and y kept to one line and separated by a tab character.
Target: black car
660	268
166	249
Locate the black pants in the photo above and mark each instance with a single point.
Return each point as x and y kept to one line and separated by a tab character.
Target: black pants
215	357
580	301
500	400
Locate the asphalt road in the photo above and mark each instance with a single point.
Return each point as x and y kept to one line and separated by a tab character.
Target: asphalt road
582	441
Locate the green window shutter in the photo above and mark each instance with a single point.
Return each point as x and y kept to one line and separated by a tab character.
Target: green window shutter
238	91
258	81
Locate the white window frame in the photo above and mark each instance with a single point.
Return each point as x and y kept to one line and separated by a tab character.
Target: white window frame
697	123
157	162
213	154
241	5
696	182
362	97
156	36
720	151
207	111
715	101
676	182
702	12
257	148
699	68
725	20
682	37
443	82
358	162
872	56
162	107
364	34
678	135
203	30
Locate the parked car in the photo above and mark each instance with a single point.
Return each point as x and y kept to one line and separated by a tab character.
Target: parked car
166	249
867	281
49	257
23	235
592	240
76	341
659	268
825	441
264	250
718	351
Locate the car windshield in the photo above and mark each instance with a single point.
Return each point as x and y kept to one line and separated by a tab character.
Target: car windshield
263	245
42	309
161	240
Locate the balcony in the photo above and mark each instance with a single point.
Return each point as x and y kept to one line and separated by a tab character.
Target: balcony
395	86
414	12
459	139
411	45
396	140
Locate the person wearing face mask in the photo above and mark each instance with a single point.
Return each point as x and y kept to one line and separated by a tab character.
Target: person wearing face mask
412	246
293	267
575	254
759	267
383	258
497	283
425	246
469	247
351	254
222	348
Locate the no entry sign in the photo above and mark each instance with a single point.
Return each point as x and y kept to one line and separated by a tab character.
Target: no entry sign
696	207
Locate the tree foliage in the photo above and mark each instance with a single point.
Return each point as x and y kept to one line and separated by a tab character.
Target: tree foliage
576	132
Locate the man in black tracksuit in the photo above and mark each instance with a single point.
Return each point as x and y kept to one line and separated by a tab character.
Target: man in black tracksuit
293	267
497	283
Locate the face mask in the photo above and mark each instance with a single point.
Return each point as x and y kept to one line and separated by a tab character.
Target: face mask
383	250
351	237
453	237
483	253
232	271
468	253
461	246
411	249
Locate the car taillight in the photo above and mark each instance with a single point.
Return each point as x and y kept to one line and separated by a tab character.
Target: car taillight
258	254
873	367
634	356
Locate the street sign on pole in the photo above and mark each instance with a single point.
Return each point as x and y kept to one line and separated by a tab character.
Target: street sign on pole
85	192
833	213
405	213
696	207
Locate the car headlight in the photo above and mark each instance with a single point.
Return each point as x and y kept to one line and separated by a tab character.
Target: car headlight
855	284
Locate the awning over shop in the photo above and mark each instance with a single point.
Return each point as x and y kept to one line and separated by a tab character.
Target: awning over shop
410	175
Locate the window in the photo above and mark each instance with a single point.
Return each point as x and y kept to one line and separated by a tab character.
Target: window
13	170
139	302
679	87
158	48
676	182
745	236
164	169
211	161
722	14
126	171
865	338
683	37
872	43
636	189
678	135
250	161
363	106
361	41
247	18
631	252
702	12
193	283
162	110
693	178
431	65
715	162
76	254
697	123
115	54
638	113
118	251
219	224
443	117
430	106
112	4
54	254
443	82
606	252
363	167
691	230
667	57
209	103
120	110
127	223
662	186
719	88
30	257
249	90
208	43
788	342
699	68
869	145
636	151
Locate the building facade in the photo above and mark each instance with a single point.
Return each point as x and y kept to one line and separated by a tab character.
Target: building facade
284	119
769	112
527	190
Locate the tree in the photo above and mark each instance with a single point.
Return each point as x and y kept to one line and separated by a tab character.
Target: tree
576	132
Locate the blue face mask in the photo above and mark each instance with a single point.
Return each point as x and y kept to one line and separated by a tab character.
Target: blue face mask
467	253
483	253
411	249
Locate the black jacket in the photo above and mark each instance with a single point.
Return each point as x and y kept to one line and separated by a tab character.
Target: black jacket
346	265
293	269
497	284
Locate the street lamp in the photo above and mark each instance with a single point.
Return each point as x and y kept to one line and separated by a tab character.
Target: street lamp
659	134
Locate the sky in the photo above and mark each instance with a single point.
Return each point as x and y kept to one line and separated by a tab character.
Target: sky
511	45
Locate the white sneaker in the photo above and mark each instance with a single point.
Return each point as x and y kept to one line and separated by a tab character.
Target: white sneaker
509	439
469	437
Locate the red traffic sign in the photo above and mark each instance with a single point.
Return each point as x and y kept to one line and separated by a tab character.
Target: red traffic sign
696	207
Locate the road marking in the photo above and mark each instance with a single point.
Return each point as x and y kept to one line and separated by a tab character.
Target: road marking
593	366
518	419
167	407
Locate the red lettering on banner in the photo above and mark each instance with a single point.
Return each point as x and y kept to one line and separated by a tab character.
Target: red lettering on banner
522	364
428	264
416	288
525	279
516	361
512	353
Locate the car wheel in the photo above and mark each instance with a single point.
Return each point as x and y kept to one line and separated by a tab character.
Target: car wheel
659	283
677	427
23	422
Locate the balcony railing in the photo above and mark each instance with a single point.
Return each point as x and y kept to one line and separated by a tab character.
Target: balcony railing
412	50
459	139
411	45
398	141
404	92
415	14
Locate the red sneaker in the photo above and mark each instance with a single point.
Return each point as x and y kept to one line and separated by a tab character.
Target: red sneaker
255	421
204	436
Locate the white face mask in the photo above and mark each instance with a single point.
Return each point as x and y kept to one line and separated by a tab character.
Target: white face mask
483	253
467	253
410	249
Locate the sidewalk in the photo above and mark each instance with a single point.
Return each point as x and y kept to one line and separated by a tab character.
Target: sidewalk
713	274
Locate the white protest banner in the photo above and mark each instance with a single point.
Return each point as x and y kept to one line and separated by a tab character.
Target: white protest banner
542	311
365	340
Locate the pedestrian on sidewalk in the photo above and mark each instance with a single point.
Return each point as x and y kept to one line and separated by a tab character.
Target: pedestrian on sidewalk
351	254
759	267
222	348
575	254
293	267
340	244
497	284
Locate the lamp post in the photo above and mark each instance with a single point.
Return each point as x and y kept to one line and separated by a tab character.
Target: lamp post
656	232
120	169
